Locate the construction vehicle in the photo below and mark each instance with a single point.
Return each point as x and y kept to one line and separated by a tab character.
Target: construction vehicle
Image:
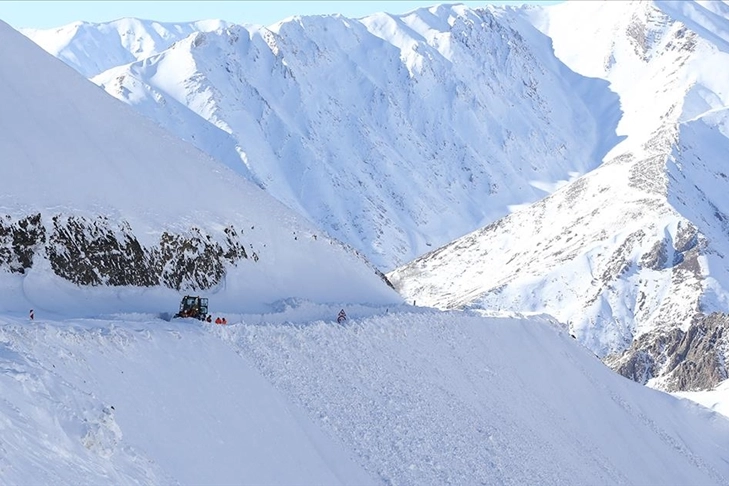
193	306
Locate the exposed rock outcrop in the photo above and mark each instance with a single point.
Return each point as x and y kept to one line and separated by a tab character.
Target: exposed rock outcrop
690	360
93	252
19	241
99	251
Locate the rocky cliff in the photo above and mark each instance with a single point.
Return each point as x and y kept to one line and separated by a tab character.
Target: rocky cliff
99	251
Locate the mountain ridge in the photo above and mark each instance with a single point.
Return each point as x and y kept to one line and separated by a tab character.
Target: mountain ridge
262	87
134	39
655	262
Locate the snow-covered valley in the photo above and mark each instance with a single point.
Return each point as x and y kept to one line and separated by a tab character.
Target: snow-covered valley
549	190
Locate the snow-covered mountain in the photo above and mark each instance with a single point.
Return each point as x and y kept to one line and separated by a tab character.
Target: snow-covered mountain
97	195
107	215
394	133
634	252
398	133
407	397
93	48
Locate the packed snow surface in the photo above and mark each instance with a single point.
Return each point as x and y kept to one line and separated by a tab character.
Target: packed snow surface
716	399
396	395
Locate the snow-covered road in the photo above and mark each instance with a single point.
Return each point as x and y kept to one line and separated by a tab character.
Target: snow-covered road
397	395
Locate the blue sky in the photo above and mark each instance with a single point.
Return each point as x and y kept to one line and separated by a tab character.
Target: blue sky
47	14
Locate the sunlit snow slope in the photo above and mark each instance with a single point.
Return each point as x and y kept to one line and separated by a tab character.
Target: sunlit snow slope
96	195
638	246
403	397
394	133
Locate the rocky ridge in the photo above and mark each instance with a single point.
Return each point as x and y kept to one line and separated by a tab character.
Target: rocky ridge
99	251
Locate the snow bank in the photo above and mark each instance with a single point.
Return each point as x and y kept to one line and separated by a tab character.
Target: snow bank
396	395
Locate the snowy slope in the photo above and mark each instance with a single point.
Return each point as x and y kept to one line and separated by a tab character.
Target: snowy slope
637	246
395	396
99	195
91	402
394	133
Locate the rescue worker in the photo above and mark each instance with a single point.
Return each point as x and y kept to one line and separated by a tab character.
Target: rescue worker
218	320
223	321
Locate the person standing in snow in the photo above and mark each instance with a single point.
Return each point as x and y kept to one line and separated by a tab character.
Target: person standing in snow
341	317
32	315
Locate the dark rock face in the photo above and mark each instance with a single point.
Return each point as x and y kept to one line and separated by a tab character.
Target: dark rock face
657	258
91	252
690	361
642	361
19	241
98	251
194	260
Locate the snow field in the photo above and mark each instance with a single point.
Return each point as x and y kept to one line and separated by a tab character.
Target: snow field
443	398
396	395
151	403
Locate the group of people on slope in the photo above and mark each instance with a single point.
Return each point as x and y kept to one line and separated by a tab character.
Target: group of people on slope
218	320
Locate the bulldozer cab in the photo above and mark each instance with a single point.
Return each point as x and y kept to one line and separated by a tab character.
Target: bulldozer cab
193	306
